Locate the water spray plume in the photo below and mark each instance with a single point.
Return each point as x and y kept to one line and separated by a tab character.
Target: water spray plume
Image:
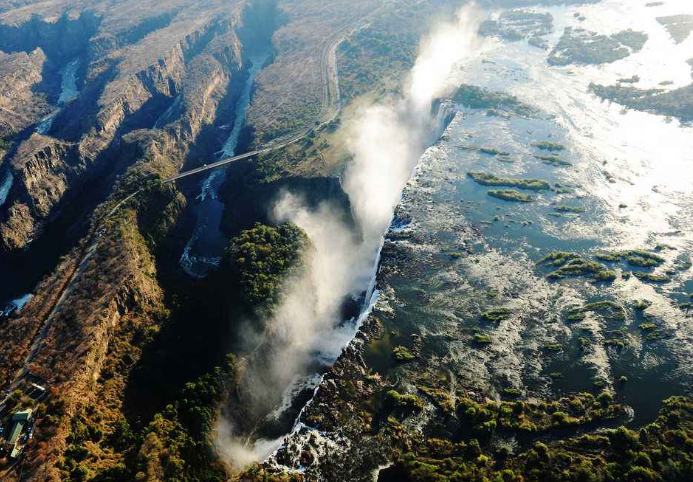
386	141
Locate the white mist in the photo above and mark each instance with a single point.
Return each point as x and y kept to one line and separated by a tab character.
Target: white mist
386	141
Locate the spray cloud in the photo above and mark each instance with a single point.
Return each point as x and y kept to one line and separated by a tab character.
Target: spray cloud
386	140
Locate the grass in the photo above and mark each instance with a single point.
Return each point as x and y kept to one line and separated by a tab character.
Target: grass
642	258
609	257
578	46
553	347
609	310
653	278
638	258
496	315
572	264
674	103
614	342
402	354
512	392
482	339
487	179
492	151
558	258
579	267
397	400
606	275
552	160
562	208
549	146
576	317
474	97
510	195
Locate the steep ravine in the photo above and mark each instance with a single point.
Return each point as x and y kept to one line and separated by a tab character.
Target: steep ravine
115	294
55	178
117	98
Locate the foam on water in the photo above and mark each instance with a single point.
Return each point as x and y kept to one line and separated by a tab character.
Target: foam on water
203	250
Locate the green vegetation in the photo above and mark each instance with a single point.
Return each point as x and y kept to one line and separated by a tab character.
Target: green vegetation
492	151
510	195
654	278
474	97
578	46
402	354
658	452
514	25
574	317
480	339
553	160
549	146
606	275
396	400
260	257
536	417
609	257
675	103
643	258
553	347
496	315
512	392
558	258
614	342
379	54
487	179
175	444
642	305
608	310
562	208
636	257
572	264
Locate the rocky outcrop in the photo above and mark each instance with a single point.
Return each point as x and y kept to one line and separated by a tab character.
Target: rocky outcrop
61	37
182	64
20	104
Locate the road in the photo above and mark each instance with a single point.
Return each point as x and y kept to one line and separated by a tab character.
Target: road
331	109
332	103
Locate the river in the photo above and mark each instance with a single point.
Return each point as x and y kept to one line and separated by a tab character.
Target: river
16	277
203	251
453	252
630	182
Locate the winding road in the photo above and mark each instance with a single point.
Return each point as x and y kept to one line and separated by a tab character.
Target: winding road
330	110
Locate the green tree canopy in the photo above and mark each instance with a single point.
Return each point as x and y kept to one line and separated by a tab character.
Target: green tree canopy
260	257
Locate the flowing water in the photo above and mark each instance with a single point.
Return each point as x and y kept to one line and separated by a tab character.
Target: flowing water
462	252
15	279
204	249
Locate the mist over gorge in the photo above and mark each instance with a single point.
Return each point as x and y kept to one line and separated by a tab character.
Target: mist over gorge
346	241
385	141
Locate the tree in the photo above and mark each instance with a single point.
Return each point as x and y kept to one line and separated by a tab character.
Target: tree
258	259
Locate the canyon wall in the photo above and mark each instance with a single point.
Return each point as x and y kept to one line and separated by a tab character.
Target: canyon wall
179	64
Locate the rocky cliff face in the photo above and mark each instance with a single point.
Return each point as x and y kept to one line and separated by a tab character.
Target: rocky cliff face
165	64
20	104
61	38
145	108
